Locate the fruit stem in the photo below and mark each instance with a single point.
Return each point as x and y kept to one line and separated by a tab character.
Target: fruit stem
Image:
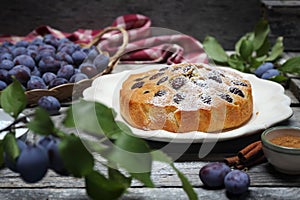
11	126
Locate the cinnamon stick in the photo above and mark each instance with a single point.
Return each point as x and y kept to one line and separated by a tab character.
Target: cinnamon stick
248	148
247	157
254	152
231	161
259	160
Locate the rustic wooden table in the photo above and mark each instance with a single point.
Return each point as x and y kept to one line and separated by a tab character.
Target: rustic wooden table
266	182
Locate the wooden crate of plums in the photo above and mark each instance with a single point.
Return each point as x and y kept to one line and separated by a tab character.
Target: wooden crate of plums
49	66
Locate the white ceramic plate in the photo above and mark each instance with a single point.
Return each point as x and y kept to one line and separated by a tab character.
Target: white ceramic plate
6	120
271	106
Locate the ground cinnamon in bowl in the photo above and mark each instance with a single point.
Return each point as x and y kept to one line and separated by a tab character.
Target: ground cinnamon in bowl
287	141
281	147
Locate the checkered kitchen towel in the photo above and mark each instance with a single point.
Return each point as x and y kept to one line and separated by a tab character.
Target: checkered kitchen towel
146	44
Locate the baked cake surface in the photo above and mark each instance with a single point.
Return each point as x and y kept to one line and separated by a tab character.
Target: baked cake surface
186	97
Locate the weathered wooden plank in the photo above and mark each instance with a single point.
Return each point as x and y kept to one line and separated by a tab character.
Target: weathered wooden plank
293	120
294	99
162	175
150	194
283	17
295	87
176	193
281	3
43	194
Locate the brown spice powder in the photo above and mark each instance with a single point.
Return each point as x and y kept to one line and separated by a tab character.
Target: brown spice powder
287	141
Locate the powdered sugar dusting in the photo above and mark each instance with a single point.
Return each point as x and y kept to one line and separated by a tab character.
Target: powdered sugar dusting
197	88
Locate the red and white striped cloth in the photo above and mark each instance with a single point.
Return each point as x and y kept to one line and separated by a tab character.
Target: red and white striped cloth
146	44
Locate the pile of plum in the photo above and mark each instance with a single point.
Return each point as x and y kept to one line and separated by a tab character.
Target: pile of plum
35	159
47	61
217	175
44	63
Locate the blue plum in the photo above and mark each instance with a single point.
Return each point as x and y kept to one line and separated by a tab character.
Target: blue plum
18	51
44	53
50	143
12	165
6	56
7	64
35	72
24	60
57	81
50	104
21	72
51	40
48	64
212	174
78	56
48	77
4	76
33	163
270	74
3	85
88	69
36	82
263	68
78	77
63	56
101	62
237	182
69	48
66	72
38	41
22	43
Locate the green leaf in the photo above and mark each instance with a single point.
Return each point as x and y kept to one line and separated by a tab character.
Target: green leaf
247	36
161	157
255	62
99	187
144	178
123	127
292	65
1	153
10	147
214	50
277	49
13	99
261	32
77	159
41	123
187	187
279	79
94	145
132	154
260	59
235	62
118	177
264	49
100	119
246	49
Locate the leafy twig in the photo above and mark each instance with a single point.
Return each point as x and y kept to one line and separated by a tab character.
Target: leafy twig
23	119
251	51
126	152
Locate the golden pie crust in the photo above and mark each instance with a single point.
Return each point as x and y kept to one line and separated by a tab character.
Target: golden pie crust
186	97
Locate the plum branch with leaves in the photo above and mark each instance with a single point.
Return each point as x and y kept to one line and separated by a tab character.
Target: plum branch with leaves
252	51
124	159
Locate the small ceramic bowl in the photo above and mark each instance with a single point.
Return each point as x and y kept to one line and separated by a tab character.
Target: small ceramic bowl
284	159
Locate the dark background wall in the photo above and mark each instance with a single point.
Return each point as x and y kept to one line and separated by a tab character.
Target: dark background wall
227	20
